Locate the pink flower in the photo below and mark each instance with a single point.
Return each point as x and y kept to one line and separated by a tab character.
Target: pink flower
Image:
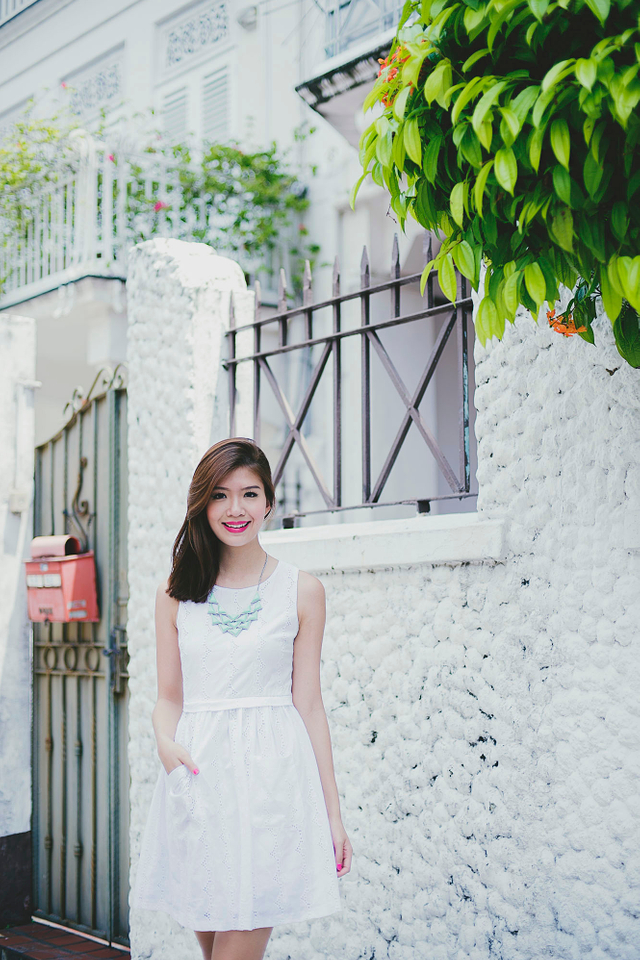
160	205
111	158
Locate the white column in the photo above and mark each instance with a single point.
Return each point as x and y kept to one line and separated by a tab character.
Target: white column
17	383
178	310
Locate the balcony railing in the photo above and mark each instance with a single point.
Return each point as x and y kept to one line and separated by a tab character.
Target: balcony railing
83	223
11	8
349	22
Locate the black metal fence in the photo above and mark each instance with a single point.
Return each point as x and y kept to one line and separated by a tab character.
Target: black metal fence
274	337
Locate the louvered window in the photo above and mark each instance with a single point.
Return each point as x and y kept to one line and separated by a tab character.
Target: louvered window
174	114
215	107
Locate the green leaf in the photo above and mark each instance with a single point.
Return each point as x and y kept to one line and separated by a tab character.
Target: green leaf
561	141
400	102
485	103
539	8
629	274
478	55
425	276
562	184
464	260
611	299
557	72
524	101
619	220
412	141
447	278
562	228
586	72
470	90
430	164
535	284
481	182
626	330
383	149
506	169
485	132
487	322
473	18
353	193
600	8
438	81
535	147
592	174
511	126
511	292
456	202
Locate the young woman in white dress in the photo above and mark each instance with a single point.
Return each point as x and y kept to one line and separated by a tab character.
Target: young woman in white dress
294	849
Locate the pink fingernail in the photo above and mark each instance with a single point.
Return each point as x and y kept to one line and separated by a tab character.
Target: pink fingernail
196	770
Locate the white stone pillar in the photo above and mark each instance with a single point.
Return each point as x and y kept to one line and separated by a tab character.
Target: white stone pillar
178	310
17	383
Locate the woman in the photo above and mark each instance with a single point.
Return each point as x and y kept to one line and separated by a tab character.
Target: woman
244	829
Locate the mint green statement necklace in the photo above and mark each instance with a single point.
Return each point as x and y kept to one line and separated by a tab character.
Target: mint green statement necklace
241	621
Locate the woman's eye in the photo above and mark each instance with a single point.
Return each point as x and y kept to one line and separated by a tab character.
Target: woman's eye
217	496
251	493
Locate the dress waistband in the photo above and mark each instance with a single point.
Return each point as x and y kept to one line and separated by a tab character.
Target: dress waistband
234	702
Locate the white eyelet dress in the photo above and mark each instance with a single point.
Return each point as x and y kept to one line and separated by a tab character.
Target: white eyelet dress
246	842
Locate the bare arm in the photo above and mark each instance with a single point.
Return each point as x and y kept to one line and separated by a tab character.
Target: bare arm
307	698
168	708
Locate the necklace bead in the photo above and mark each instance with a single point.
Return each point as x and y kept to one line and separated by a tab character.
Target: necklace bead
236	623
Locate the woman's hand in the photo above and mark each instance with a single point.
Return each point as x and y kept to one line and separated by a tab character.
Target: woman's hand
172	754
342	847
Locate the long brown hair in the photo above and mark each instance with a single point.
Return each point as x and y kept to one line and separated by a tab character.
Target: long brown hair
196	551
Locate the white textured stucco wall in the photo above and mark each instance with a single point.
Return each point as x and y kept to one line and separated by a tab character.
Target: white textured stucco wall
484	714
18	366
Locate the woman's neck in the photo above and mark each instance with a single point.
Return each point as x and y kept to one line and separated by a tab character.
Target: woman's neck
241	566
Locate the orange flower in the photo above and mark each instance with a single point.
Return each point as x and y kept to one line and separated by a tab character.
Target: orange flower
564	324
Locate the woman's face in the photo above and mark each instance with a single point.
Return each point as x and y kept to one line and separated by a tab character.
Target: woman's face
237	507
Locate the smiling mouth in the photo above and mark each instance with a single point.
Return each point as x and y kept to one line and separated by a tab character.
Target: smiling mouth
236	527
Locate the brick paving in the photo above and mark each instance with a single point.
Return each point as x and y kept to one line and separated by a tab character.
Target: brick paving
39	941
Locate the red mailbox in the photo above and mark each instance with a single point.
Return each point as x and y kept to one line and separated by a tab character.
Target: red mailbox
61	581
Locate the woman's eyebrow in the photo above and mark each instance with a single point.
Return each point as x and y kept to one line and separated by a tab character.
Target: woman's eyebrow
253	486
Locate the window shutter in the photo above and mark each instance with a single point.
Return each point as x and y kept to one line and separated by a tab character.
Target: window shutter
174	114
215	107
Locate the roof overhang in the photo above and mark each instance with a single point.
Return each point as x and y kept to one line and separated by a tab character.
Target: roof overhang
339	91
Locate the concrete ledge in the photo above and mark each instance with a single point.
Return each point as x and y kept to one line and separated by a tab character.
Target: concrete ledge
453	538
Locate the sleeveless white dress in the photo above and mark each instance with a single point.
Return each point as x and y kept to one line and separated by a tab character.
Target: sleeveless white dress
246	842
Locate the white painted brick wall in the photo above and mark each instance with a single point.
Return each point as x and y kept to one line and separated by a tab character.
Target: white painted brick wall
484	715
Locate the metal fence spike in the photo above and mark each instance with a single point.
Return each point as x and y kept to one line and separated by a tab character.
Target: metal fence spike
282	291
258	298
395	258
365	272
427	247
335	284
307	294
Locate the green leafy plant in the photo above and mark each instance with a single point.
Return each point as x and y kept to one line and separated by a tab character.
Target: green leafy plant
511	128
253	203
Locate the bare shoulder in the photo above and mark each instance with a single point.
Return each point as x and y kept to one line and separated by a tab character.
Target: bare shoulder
164	603
311	594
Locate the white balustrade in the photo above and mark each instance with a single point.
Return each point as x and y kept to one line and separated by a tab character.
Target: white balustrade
84	222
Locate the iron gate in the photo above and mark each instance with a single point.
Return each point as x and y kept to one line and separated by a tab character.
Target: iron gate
80	694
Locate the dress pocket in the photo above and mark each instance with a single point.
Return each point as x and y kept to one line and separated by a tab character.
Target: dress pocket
175	776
